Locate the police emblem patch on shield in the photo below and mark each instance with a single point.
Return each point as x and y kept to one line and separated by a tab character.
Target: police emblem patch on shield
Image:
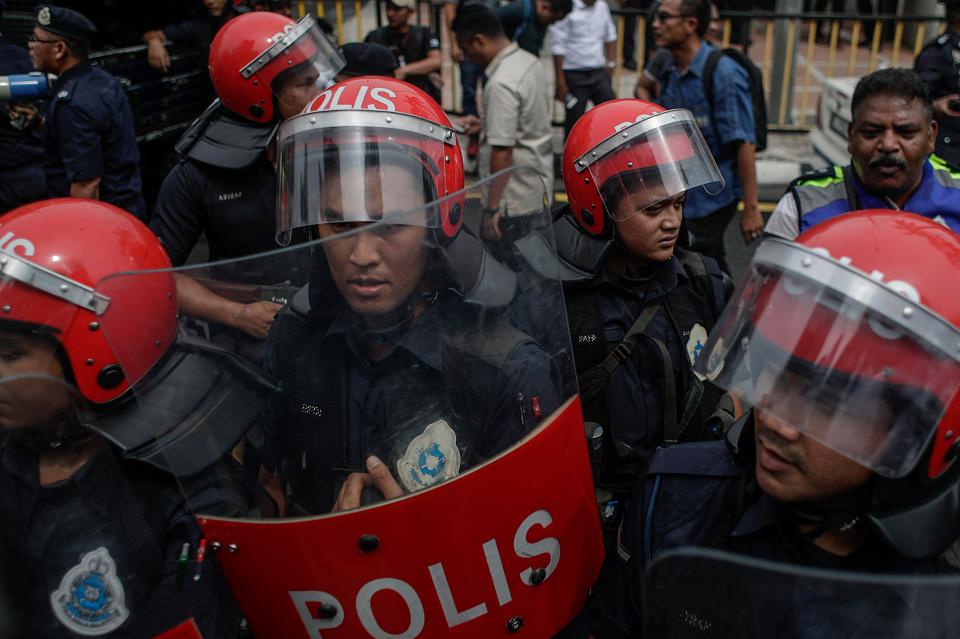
90	600
698	337
43	16
430	457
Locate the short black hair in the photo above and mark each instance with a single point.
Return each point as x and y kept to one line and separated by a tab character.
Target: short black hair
79	48
951	11
895	83
564	7
699	9
477	19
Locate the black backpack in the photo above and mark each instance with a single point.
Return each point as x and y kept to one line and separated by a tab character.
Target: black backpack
756	89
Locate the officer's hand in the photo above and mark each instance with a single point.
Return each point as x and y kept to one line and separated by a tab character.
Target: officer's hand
158	57
751	223
942	106
22	114
471	124
377	475
560	93
255	319
491	227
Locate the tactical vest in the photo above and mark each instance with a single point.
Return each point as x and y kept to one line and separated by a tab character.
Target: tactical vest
688	403
833	191
313	371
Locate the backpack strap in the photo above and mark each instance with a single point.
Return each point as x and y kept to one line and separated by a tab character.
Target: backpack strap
708	70
623	350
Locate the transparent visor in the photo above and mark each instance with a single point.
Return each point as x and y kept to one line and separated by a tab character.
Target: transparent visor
737	596
650	161
357	170
301	63
433	357
831	365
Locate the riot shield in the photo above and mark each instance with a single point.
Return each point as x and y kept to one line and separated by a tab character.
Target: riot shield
414	454
694	592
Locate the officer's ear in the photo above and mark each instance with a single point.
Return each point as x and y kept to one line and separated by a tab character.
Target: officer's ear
932	136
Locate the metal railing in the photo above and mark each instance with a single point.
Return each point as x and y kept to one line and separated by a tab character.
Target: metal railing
788	47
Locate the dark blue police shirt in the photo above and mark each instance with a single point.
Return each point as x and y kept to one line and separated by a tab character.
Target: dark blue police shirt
234	208
89	133
700	495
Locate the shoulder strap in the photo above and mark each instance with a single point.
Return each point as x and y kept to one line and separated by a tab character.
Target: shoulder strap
706	276
623	350
708	70
852	196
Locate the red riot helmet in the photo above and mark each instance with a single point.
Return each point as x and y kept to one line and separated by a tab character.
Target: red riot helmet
53	255
348	137
254	53
625	155
859	318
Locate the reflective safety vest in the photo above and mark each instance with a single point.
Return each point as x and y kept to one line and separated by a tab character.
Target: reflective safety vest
837	190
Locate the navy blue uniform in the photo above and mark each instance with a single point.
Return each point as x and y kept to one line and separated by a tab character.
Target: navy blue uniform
234	208
701	494
21	150
98	553
487	387
89	133
939	66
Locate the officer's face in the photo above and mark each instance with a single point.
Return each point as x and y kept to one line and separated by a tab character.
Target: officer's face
398	16
375	270
792	467
45	49
295	91
214	7
651	233
33	391
890	138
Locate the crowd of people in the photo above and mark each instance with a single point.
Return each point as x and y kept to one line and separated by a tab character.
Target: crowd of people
371	326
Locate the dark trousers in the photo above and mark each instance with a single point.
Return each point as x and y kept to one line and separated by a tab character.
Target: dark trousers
470	73
586	84
708	233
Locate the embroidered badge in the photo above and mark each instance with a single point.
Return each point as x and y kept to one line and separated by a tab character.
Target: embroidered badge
698	337
90	600
431	457
43	16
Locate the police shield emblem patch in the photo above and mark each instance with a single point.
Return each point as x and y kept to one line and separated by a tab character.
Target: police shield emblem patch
90	600
430	457
698	337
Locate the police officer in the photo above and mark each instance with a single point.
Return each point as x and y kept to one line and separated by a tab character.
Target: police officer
224	187
21	148
90	146
640	306
939	66
845	348
396	358
99	401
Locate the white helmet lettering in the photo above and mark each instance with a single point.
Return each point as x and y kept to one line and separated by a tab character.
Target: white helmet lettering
366	98
9	242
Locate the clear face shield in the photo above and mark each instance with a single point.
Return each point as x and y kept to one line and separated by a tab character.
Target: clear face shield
348	167
857	365
299	64
648	161
449	362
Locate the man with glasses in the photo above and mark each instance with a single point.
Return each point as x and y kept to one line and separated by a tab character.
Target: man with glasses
726	119
90	147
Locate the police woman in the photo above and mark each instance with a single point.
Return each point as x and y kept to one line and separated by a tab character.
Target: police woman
640	305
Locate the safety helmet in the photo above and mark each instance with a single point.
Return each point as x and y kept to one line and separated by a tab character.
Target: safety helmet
362	125
855	318
635	150
54	256
254	51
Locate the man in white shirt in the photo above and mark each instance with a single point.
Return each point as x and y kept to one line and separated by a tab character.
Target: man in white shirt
515	129
582	45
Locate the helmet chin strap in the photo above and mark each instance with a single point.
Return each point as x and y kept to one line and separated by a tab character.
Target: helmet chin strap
63	435
821	518
405	316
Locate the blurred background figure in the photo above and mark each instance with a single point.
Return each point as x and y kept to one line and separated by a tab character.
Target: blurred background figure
197	31
416	48
21	148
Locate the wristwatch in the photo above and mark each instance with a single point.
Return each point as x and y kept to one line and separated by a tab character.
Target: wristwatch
490	211
611	65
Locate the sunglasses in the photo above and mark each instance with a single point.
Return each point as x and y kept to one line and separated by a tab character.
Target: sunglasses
663	16
33	38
